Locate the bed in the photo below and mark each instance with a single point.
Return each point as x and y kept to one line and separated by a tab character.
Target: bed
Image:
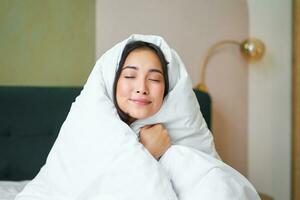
30	119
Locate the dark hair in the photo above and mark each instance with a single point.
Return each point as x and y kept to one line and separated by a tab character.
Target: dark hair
129	48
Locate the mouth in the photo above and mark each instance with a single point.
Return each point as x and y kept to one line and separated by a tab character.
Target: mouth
141	102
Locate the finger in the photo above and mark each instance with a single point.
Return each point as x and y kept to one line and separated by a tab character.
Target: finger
160	125
148	126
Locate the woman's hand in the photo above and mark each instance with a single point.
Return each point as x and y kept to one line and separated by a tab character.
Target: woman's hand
156	139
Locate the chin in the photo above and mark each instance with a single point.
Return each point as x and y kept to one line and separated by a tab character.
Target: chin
140	116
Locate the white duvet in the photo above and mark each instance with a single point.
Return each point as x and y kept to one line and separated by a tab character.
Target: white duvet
9	189
97	156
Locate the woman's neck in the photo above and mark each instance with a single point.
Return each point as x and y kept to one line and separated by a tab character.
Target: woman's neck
130	120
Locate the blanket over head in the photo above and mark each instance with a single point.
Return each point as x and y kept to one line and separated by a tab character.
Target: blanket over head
98	156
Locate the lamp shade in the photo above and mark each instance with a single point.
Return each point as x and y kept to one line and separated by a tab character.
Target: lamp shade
252	49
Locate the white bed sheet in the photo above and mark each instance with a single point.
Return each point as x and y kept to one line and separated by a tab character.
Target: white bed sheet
9	189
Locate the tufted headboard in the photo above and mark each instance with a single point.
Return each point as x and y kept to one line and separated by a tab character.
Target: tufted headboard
30	119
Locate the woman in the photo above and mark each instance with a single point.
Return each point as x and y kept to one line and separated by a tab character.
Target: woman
140	85
138	95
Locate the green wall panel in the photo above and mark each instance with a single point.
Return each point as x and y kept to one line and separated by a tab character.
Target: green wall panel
46	43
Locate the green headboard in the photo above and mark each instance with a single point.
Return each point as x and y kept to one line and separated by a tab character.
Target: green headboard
30	119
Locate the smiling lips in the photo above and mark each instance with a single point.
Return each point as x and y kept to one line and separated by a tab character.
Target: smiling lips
141	102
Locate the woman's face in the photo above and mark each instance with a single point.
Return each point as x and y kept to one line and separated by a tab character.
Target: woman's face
140	88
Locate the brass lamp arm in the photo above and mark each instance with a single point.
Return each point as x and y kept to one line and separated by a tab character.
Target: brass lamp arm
251	49
207	57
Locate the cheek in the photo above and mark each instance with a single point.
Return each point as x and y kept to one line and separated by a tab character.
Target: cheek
123	88
122	94
158	92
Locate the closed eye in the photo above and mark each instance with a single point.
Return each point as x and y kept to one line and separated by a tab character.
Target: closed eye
129	77
155	80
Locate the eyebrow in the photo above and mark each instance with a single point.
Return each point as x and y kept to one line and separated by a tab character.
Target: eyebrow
136	68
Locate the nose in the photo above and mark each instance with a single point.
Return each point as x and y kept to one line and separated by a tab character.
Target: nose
142	88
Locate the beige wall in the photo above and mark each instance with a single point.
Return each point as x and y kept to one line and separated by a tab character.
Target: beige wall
191	27
270	99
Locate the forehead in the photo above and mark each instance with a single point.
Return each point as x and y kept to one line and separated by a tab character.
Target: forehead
143	57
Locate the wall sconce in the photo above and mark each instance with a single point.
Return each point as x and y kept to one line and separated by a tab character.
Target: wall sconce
252	49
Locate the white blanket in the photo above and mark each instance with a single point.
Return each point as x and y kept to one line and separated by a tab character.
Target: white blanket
10	189
97	156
